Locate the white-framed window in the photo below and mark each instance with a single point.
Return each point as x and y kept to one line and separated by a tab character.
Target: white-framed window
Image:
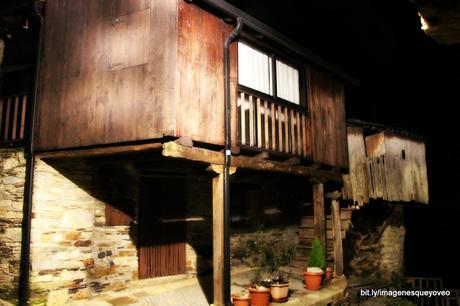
256	71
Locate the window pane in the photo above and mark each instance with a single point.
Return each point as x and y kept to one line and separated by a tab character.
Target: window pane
254	69
287	82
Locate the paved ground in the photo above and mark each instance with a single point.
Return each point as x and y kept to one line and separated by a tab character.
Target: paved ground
182	291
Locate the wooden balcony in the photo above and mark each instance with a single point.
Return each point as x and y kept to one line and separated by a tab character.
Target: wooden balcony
268	124
13	111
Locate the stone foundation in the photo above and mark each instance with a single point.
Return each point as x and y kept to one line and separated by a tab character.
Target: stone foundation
12	178
374	247
73	254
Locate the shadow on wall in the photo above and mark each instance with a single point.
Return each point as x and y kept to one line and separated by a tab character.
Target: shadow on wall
163	223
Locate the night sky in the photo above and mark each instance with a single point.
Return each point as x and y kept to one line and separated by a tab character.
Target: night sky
407	80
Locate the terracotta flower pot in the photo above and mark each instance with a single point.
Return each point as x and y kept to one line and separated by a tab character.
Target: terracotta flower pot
329	271
260	297
241	301
313	280
279	291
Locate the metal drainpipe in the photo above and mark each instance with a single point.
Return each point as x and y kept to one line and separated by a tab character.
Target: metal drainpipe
228	140
28	187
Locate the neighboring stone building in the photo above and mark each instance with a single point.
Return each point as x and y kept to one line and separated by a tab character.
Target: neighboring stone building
387	171
12	175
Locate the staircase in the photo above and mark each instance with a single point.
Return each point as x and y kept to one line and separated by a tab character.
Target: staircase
307	234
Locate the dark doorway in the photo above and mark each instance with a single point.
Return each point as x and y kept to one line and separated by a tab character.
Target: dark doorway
162	227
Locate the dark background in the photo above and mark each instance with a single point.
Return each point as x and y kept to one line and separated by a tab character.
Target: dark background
406	80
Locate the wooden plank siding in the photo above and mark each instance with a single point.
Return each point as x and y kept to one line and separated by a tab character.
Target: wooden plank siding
97	83
200	75
116	71
385	166
328	126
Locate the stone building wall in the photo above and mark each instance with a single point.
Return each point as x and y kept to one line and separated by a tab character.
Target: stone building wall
73	254
375	247
392	245
12	178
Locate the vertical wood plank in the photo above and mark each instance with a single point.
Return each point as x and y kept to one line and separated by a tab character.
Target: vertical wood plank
304	135
23	117
15	118
259	124
286	130
266	133
218	237
1	118
243	118
7	119
280	130
319	217
251	120
336	228
292	130
299	138
273	117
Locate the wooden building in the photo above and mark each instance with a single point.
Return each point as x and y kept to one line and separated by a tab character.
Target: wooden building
385	163
136	88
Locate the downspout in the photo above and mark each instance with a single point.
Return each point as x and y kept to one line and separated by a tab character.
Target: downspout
227	158
30	164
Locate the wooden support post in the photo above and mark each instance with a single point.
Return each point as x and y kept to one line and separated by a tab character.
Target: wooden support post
319	217
218	232
337	228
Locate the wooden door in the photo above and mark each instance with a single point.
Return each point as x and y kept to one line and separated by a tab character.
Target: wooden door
162	227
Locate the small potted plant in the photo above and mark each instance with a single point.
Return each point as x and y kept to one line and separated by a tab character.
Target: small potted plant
280	254
329	271
316	263
269	256
241	298
259	291
280	287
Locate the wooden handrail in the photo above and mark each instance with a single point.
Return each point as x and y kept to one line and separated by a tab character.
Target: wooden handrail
13	118
266	123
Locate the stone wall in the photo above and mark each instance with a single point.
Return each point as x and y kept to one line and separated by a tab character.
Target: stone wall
374	247
280	233
73	254
12	178
392	245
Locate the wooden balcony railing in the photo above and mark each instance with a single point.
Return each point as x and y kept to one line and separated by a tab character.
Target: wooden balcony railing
12	118
272	125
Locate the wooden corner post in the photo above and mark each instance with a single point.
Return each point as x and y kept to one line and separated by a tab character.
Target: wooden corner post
218	232
337	230
319	217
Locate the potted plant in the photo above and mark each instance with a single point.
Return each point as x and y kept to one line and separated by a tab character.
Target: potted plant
280	255
241	298
280	287
329	271
316	264
259	291
269	256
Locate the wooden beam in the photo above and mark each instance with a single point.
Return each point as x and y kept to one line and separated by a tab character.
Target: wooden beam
333	195
218	237
319	217
218	232
336	228
262	155
171	149
292	161
185	141
79	153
